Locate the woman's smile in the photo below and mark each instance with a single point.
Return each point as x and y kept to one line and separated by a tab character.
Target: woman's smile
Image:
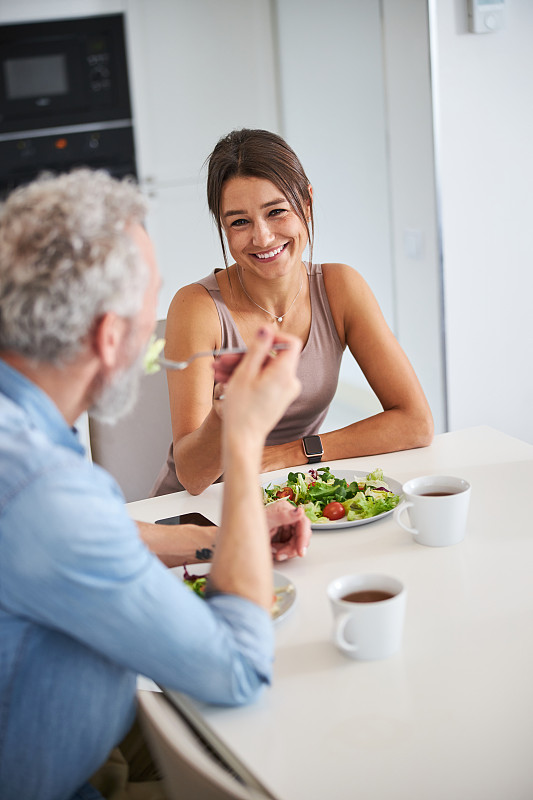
271	254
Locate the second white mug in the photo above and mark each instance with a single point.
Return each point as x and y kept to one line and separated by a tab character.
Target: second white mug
368	612
438	509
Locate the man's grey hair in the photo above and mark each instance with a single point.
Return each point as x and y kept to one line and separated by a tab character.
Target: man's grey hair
66	259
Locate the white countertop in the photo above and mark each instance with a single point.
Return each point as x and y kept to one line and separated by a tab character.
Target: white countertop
450	717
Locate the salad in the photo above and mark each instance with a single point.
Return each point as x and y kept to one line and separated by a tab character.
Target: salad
326	498
195	582
153	351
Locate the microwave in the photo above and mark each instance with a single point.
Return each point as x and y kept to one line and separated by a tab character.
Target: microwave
64	99
63	72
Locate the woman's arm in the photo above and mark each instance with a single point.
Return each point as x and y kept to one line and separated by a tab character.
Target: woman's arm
193	325
406	421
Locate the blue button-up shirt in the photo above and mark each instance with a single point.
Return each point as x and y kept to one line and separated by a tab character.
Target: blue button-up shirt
84	607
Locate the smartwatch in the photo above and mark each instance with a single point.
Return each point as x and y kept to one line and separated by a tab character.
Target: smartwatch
313	449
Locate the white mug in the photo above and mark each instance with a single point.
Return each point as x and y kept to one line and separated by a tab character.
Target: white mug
369	624
438	509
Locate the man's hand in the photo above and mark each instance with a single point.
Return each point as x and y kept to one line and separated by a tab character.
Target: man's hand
289	528
176	545
257	386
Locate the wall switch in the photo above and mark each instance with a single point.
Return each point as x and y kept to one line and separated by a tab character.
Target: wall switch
485	16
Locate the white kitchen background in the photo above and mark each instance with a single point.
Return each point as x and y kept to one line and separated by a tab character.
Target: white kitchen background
356	89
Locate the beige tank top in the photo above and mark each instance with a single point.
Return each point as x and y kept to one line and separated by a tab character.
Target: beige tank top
318	370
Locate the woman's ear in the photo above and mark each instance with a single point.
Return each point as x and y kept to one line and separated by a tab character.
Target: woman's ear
310	203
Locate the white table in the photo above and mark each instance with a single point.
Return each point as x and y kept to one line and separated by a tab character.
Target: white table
450	717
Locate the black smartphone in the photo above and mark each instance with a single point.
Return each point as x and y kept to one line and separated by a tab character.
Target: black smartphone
193	518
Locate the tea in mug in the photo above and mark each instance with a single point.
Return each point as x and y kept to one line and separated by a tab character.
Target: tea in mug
367	596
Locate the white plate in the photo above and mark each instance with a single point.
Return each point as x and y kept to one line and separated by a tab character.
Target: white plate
284	588
286	595
349	476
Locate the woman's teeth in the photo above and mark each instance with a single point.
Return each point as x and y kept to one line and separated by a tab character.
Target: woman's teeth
271	253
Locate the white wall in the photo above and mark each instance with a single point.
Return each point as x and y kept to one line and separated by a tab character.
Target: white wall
356	107
485	85
333	115
415	245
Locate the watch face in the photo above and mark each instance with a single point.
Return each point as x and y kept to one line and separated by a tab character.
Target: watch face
313	446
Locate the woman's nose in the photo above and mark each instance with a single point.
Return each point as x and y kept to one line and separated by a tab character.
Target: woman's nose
262	235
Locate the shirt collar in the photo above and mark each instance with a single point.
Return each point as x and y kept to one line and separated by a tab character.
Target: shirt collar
38	407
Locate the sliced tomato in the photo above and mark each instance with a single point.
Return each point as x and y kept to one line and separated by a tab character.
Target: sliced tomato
287	492
334	510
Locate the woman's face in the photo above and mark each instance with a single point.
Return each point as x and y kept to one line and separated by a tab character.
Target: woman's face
264	234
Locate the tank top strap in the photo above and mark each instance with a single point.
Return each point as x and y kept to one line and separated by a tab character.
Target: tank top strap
323	326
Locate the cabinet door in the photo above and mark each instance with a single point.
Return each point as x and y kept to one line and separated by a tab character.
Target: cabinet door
185	239
199	68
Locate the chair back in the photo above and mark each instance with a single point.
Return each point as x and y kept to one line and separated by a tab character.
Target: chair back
135	448
189	766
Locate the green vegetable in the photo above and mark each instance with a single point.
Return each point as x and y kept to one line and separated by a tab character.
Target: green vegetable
197	585
195	582
362	498
153	350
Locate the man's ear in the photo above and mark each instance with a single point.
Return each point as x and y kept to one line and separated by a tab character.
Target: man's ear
108	337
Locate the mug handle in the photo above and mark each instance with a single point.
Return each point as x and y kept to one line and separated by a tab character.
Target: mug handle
340	639
398	511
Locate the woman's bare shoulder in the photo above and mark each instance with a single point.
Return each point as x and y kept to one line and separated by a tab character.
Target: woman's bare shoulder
336	271
192	299
343	281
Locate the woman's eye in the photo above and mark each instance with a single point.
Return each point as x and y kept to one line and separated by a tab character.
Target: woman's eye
237	223
277	211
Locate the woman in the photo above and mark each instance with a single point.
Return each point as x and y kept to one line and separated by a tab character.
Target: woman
262	203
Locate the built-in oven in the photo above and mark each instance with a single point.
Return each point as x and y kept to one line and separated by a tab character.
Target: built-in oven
64	98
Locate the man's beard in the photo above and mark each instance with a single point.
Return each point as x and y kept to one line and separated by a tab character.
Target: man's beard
118	397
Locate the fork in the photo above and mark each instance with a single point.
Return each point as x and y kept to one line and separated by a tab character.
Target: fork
168	364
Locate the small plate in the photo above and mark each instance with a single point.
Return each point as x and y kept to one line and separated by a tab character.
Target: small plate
284	589
348	476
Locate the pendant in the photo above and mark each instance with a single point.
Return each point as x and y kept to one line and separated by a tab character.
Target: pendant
280	319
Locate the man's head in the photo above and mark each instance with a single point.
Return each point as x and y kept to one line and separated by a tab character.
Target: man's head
77	276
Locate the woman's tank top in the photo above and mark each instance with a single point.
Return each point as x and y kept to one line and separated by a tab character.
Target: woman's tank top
318	370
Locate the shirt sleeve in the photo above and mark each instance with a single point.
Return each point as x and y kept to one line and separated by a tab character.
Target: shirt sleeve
74	561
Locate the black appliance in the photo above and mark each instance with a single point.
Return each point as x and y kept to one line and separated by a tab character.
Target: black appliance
64	98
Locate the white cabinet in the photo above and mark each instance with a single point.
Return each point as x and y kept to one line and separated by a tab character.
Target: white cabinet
185	238
198	69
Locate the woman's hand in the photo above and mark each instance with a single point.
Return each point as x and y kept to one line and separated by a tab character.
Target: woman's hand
289	529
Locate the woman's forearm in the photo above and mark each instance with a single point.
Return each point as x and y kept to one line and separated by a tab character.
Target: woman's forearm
198	455
385	432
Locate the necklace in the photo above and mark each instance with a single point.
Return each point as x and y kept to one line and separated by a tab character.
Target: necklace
270	314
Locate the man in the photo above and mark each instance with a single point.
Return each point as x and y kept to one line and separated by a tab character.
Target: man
84	604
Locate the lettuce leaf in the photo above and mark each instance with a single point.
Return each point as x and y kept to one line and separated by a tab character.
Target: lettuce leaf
153	351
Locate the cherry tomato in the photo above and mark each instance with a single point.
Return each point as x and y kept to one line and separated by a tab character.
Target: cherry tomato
334	510
287	492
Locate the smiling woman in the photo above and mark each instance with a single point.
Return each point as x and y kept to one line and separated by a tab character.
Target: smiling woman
262	203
